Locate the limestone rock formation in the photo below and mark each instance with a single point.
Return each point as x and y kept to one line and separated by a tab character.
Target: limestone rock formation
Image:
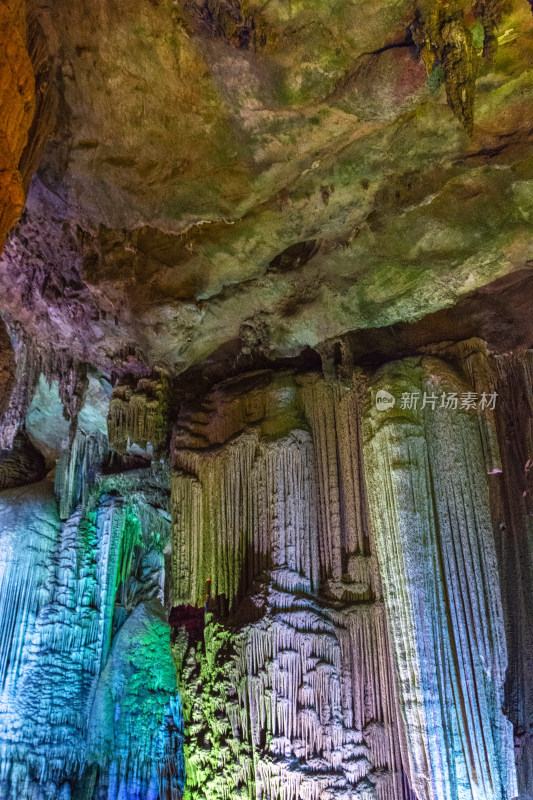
341	623
67	588
273	522
430	508
266	400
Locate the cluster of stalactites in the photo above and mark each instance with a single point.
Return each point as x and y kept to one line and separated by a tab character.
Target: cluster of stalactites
249	511
31	362
451	36
273	496
138	412
273	519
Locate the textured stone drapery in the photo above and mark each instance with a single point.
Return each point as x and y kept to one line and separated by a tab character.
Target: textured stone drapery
431	517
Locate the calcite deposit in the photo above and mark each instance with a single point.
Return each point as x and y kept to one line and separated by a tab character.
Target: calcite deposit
266	400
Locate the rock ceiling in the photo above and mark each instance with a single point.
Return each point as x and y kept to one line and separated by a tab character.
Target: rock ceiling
273	173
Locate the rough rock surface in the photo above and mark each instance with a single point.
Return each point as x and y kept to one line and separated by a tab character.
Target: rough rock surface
280	172
17	105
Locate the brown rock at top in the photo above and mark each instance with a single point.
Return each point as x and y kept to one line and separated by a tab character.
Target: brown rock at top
17	104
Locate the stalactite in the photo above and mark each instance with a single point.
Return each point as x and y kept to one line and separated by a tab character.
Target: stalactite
451	36
490	13
430	512
138	412
77	469
269	512
445	41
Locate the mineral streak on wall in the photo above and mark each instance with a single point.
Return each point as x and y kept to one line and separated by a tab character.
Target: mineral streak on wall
430	509
292	696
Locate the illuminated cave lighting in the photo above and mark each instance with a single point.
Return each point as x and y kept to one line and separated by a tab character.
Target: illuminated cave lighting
337	626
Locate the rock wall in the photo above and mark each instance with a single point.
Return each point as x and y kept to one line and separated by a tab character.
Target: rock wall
17	106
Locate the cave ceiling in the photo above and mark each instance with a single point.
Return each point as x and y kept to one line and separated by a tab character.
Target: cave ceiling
273	173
